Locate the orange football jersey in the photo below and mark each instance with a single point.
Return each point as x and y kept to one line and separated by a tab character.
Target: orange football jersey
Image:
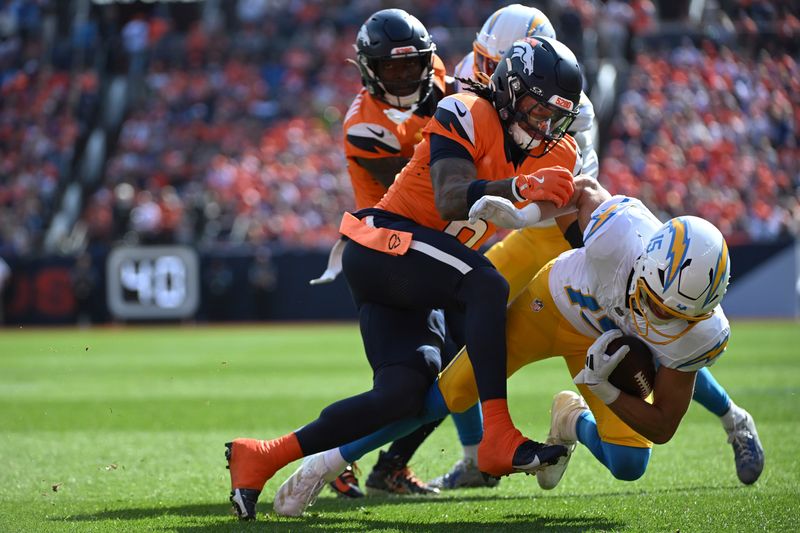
473	122
370	134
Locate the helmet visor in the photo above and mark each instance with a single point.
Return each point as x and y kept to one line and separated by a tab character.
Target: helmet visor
542	120
652	316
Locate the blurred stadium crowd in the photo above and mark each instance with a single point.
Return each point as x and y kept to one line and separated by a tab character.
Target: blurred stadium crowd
229	131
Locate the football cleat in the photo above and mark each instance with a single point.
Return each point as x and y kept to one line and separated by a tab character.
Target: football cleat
300	491
464	474
513	452
346	484
242	500
244	503
391	475
567	406
532	456
747	450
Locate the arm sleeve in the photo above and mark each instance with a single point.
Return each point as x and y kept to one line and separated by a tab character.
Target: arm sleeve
444	148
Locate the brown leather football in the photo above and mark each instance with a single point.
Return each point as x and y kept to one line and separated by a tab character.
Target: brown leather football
635	374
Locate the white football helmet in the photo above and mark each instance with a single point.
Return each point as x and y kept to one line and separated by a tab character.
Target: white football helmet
679	279
506	25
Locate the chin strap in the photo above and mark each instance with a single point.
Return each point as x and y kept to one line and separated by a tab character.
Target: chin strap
399	116
522	138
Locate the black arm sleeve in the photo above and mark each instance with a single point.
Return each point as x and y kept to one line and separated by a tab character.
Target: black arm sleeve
443	148
574	235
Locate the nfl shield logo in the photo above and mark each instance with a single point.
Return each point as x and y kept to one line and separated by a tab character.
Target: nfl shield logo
537	305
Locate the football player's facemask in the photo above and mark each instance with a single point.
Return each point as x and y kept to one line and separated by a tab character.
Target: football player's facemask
536	121
395	57
679	280
500	30
535	90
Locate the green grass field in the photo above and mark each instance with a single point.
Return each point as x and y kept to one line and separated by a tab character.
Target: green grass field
123	430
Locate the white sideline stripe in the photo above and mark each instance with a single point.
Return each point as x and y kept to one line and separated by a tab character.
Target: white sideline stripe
439	255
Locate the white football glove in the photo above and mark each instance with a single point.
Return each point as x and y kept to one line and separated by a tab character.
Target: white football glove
501	212
599	366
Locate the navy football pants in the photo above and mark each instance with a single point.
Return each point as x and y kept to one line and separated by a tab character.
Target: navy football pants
399	299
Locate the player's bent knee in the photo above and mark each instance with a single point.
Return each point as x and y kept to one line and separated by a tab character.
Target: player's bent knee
627	463
460	401
486	285
400	391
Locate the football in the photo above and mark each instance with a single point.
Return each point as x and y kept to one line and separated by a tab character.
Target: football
635	374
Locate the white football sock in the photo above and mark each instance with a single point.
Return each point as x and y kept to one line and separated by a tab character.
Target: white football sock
471	453
731	417
334	462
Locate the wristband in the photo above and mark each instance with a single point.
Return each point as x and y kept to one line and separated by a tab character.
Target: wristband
515	190
531	213
475	191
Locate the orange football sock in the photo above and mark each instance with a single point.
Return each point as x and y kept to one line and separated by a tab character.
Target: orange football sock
254	461
500	439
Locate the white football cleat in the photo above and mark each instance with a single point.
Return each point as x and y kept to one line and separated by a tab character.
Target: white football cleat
567	406
747	450
300	491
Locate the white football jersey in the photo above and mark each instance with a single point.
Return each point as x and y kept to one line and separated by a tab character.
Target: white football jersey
590	286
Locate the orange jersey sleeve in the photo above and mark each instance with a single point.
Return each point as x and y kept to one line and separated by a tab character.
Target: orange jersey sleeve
369	133
439	73
472	122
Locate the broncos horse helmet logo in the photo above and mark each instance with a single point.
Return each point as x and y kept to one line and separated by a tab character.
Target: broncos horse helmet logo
523	50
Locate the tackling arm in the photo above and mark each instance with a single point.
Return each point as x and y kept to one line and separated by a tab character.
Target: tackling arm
587	195
451	178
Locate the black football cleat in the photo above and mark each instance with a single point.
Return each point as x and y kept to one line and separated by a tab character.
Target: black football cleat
391	476
243	501
531	456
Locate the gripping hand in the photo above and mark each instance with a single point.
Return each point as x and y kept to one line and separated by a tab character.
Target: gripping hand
552	184
497	210
599	366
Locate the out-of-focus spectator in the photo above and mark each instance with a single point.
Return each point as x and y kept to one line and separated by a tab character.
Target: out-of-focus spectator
218	280
84	277
136	40
263	279
614	29
5	278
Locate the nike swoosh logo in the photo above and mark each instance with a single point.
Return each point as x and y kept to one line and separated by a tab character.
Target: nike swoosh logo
379	134
459	111
530	466
540	180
